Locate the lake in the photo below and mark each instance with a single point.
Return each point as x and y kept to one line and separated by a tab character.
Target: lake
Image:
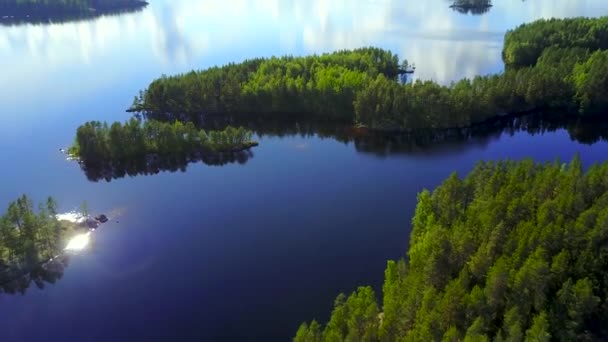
247	250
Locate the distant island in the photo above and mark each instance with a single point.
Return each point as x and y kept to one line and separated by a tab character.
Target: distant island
514	251
476	7
550	64
13	12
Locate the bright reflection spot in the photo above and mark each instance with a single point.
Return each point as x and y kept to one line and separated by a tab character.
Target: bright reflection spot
78	242
72	216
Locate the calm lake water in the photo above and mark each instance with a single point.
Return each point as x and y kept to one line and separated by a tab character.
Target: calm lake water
244	251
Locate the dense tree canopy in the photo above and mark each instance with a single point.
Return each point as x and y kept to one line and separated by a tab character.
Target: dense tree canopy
319	85
524	45
560	65
515	251
98	143
28	239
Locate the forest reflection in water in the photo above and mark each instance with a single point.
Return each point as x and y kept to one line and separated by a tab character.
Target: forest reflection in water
155	164
15	16
421	142
18	281
427	142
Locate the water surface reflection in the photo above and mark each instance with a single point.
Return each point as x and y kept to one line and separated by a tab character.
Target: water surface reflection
427	143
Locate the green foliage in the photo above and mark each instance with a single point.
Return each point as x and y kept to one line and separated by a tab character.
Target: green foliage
515	251
564	78
320	85
524	45
591	83
96	143
309	334
539	331
354	319
550	65
28	238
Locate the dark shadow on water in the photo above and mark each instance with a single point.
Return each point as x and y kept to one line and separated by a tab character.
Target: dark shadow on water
155	164
12	15
14	281
424	142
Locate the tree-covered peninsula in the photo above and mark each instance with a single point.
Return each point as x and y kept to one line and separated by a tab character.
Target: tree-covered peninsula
320	86
551	64
98	144
514	251
29	239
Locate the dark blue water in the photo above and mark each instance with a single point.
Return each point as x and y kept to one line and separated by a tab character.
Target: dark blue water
237	252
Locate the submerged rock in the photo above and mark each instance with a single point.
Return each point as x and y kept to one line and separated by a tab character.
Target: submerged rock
101	218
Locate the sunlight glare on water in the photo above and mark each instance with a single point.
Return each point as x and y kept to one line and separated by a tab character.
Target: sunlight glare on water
79	242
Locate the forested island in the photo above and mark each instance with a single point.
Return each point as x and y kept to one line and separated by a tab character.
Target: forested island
475	7
28	241
13	12
150	146
514	251
550	64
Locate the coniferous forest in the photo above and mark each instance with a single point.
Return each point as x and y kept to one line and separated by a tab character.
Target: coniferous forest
97	142
29	239
551	64
514	251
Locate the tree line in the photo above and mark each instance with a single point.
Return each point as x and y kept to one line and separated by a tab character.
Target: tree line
555	64
98	143
524	45
17	7
28	239
320	85
514	251
550	64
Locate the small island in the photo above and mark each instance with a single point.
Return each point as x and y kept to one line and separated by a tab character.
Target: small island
514	251
550	64
475	7
32	244
143	146
13	12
